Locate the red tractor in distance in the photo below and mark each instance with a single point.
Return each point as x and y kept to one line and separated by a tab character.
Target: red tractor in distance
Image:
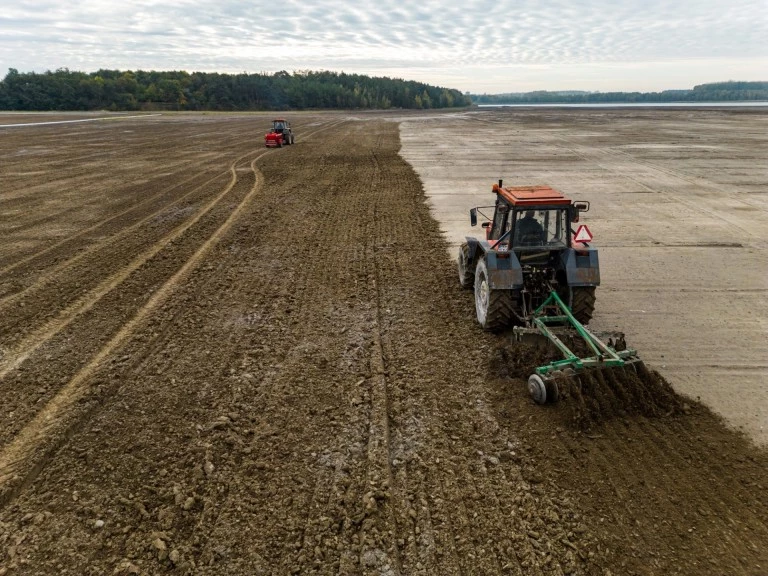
280	134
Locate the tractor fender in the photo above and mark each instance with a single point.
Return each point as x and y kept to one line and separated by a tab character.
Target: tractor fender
504	273
582	267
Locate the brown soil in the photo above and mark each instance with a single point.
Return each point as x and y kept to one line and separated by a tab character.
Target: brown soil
218	359
591	397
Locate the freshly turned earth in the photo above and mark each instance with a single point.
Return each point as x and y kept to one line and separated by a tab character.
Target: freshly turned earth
221	359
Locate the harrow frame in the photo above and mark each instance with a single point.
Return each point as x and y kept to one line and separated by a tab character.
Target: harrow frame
553	311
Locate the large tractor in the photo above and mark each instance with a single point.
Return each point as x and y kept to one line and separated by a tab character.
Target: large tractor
535	273
530	249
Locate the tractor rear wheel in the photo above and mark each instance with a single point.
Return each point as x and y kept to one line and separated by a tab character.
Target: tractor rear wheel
494	307
583	303
466	268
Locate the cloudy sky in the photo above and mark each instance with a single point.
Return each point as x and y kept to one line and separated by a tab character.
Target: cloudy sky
472	45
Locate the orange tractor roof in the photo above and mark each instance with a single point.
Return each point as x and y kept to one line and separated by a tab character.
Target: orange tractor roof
531	195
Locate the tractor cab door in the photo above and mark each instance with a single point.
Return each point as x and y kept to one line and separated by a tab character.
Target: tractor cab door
499	221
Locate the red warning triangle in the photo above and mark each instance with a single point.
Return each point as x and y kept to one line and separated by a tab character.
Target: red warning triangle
582	234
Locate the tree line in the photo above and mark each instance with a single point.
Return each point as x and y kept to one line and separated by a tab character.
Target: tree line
714	92
118	90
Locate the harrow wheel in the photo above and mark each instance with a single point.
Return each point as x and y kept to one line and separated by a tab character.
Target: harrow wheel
494	307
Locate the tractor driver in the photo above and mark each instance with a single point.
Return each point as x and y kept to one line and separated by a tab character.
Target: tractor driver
528	231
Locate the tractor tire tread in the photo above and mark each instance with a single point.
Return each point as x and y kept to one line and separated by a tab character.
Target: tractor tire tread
500	310
466	268
583	303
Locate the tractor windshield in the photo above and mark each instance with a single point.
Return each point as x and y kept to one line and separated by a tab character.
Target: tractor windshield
537	228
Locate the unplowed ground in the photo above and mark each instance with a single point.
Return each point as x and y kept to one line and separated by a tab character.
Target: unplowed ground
218	359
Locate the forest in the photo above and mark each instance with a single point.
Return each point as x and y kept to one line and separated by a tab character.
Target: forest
714	92
118	90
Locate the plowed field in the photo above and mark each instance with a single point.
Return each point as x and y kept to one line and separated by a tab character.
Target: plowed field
221	359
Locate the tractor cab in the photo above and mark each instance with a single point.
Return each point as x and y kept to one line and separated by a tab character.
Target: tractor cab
279	126
531	218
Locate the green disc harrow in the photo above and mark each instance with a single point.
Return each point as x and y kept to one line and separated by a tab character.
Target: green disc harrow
554	319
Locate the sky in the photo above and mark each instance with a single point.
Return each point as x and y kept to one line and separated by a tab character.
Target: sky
475	46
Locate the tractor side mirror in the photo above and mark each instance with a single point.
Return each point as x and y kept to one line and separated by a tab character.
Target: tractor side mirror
473	216
578	207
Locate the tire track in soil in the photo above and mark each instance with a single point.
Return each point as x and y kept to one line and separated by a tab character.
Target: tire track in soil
132	191
378	555
121	154
48	273
19	352
14	455
71	391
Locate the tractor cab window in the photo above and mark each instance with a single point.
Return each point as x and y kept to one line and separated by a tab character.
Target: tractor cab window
279	126
541	227
498	222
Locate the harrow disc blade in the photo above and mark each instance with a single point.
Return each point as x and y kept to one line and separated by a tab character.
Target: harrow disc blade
537	389
543	390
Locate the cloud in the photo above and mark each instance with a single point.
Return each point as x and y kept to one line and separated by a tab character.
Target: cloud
476	43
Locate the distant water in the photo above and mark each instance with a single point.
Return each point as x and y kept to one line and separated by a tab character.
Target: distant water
740	104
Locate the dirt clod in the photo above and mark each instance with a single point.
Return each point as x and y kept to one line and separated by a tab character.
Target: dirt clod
593	396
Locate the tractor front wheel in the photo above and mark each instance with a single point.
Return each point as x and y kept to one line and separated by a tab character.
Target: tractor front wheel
466	269
493	307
